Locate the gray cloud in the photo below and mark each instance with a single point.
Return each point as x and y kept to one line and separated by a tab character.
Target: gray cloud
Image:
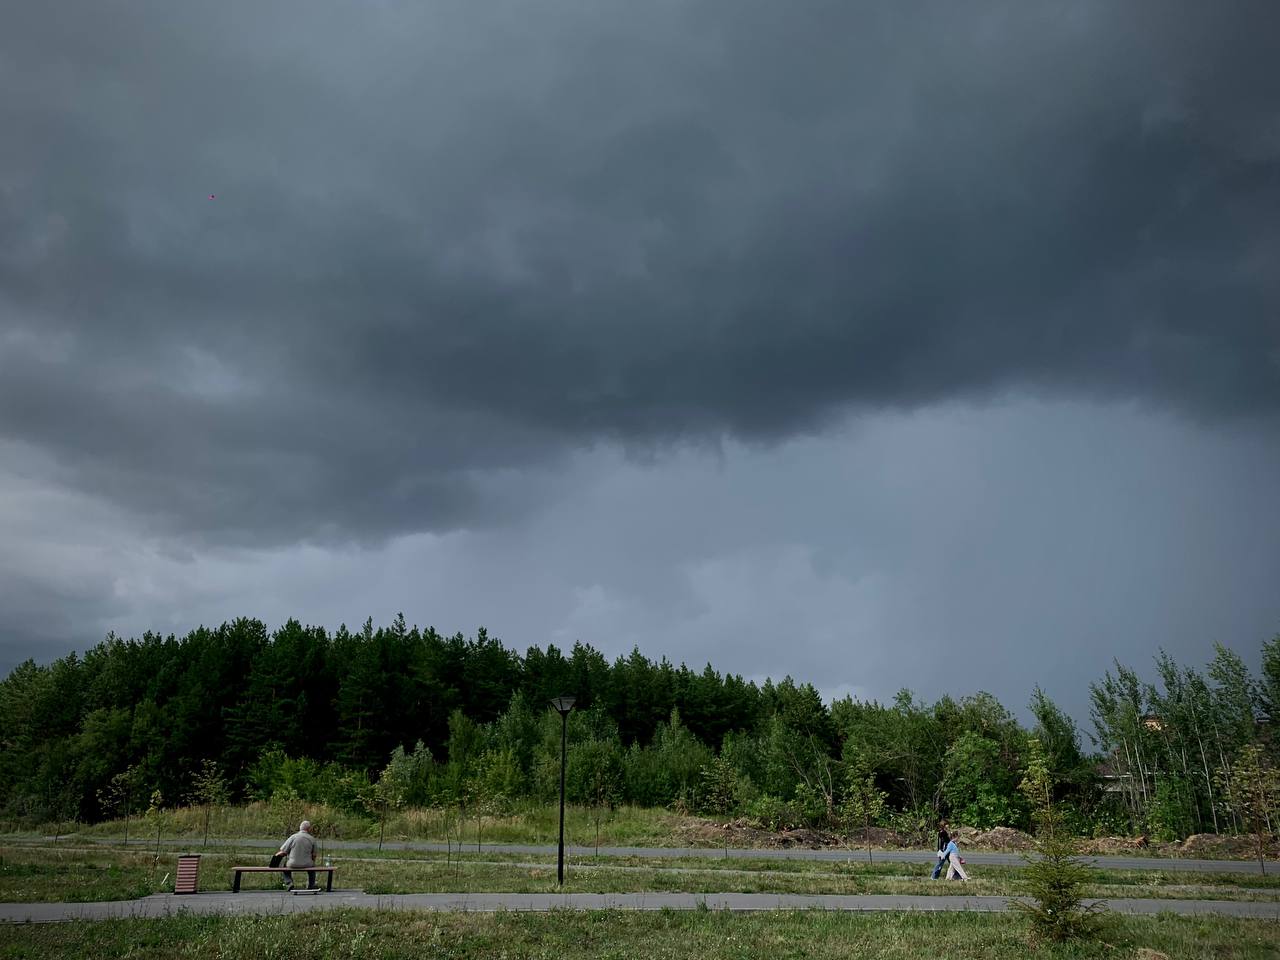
948	550
454	244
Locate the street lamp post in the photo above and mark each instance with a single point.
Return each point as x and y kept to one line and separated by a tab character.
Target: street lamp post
562	706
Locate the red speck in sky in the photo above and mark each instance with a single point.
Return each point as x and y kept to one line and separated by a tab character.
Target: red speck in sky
213	196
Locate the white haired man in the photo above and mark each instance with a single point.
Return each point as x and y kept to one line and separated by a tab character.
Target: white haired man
300	849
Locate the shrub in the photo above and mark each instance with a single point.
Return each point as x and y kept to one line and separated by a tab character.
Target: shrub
772	813
721	792
914	827
979	786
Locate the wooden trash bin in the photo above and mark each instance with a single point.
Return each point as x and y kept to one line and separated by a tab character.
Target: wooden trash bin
188	873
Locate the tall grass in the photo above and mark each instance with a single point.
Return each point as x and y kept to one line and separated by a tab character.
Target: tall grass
529	822
711	935
74	876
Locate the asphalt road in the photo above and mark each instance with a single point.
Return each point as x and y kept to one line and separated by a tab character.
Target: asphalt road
270	903
825	854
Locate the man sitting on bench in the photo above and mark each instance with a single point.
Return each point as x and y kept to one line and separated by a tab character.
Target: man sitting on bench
300	851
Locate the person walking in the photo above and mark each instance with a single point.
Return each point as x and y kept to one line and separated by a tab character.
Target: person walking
955	861
943	839
300	851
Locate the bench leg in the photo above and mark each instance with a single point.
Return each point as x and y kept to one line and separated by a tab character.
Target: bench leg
235	883
329	886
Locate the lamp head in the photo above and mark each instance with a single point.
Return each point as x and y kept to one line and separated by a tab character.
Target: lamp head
562	705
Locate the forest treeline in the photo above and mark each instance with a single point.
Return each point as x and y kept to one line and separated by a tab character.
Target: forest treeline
396	715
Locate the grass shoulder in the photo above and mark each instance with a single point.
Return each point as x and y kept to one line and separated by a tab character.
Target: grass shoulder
530	822
619	934
66	872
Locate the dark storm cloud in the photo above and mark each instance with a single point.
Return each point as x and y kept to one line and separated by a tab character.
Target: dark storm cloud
455	239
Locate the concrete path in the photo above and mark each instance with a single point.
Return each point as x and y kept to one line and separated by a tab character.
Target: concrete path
269	903
827	854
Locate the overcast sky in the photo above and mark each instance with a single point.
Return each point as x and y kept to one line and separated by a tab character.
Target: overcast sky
895	344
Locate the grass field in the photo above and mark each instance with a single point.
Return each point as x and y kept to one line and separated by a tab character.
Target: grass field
31	876
65	872
531	823
576	936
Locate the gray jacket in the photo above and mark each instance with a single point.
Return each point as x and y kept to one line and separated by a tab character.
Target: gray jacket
300	850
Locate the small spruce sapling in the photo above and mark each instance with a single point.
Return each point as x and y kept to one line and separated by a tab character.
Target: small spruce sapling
1054	877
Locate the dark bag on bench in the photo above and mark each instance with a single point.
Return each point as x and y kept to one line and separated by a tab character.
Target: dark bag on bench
276	860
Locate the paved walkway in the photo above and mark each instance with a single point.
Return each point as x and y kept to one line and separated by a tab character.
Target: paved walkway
794	853
274	903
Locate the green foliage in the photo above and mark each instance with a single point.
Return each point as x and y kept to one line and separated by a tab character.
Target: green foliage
209	789
595	773
410	772
741	750
1269	686
979	786
391	788
395	784
721	787
123	792
915	827
681	757
1054	878
518	731
668	772
864	802
1170	814
304	714
497	780
276	774
811	804
772	813
208	786
644	779
287	811
904	741
1252	792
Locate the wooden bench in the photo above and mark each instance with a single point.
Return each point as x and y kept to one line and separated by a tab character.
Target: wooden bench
236	871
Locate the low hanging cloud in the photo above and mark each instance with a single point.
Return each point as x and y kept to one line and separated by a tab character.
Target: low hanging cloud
275	271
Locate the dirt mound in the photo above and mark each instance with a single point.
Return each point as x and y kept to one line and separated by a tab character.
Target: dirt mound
882	837
1002	838
736	833
997	838
803	837
1104	846
1212	846
744	832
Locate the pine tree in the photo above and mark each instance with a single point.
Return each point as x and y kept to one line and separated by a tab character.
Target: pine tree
1054	877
